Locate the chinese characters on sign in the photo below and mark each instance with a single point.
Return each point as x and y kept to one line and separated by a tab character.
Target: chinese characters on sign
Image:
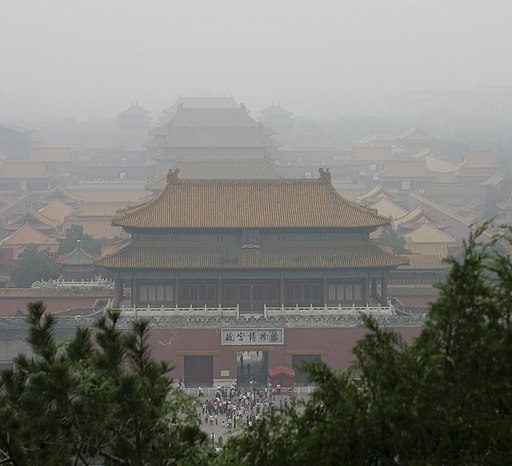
252	336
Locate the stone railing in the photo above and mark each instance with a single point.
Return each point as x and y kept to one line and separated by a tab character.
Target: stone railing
162	311
268	312
328	310
61	284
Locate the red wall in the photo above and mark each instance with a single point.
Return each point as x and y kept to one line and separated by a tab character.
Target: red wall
53	304
334	344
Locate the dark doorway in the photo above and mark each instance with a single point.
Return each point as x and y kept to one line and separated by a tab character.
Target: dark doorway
198	371
252	368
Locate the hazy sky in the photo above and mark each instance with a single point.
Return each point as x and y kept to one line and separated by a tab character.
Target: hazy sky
94	57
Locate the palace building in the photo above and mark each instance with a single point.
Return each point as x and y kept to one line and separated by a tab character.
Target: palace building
225	265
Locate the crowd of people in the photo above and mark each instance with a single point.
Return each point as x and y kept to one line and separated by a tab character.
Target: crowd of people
234	407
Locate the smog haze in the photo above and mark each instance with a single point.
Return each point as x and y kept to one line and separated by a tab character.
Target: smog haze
322	58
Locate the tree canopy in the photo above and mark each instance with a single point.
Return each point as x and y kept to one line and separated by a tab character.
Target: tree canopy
104	403
35	264
444	399
75	234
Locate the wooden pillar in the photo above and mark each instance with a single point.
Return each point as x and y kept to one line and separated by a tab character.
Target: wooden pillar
281	289
365	291
135	292
177	291
384	291
115	302
132	289
325	289
219	290
118	292
374	288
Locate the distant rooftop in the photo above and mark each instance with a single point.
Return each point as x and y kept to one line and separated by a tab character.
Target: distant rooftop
249	204
201	102
134	110
219	169
276	110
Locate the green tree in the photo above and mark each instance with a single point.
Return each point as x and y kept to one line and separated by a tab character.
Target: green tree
444	399
393	239
35	264
75	235
105	403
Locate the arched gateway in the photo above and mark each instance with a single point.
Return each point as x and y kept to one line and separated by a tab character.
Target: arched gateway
255	252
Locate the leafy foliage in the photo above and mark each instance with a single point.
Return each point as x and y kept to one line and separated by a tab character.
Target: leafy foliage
76	234
444	399
105	403
35	264
393	239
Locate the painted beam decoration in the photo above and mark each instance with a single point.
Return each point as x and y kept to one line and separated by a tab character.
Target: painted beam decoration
252	336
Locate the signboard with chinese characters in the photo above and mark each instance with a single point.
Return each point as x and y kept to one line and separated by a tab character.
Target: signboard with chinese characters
252	336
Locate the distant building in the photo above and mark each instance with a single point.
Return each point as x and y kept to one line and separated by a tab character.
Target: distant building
261	230
478	165
198	102
316	149
366	161
280	120
286	255
37	220
124	143
413	140
219	169
133	119
404	144
406	175
209	132
13	245
17	176
77	264
58	160
15	141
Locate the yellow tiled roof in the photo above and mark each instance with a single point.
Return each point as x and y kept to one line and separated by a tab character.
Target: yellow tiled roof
422	262
51	153
61	193
478	159
21	169
428	249
428	234
43	221
345	255
27	235
100	209
99	227
412	216
250	136
389	209
77	256
297	203
371	153
405	168
56	210
414	134
101	194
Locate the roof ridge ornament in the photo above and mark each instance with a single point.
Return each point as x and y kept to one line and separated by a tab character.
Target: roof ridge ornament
325	175
172	176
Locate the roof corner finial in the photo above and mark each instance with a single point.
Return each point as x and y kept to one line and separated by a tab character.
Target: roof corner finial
172	176
325	175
